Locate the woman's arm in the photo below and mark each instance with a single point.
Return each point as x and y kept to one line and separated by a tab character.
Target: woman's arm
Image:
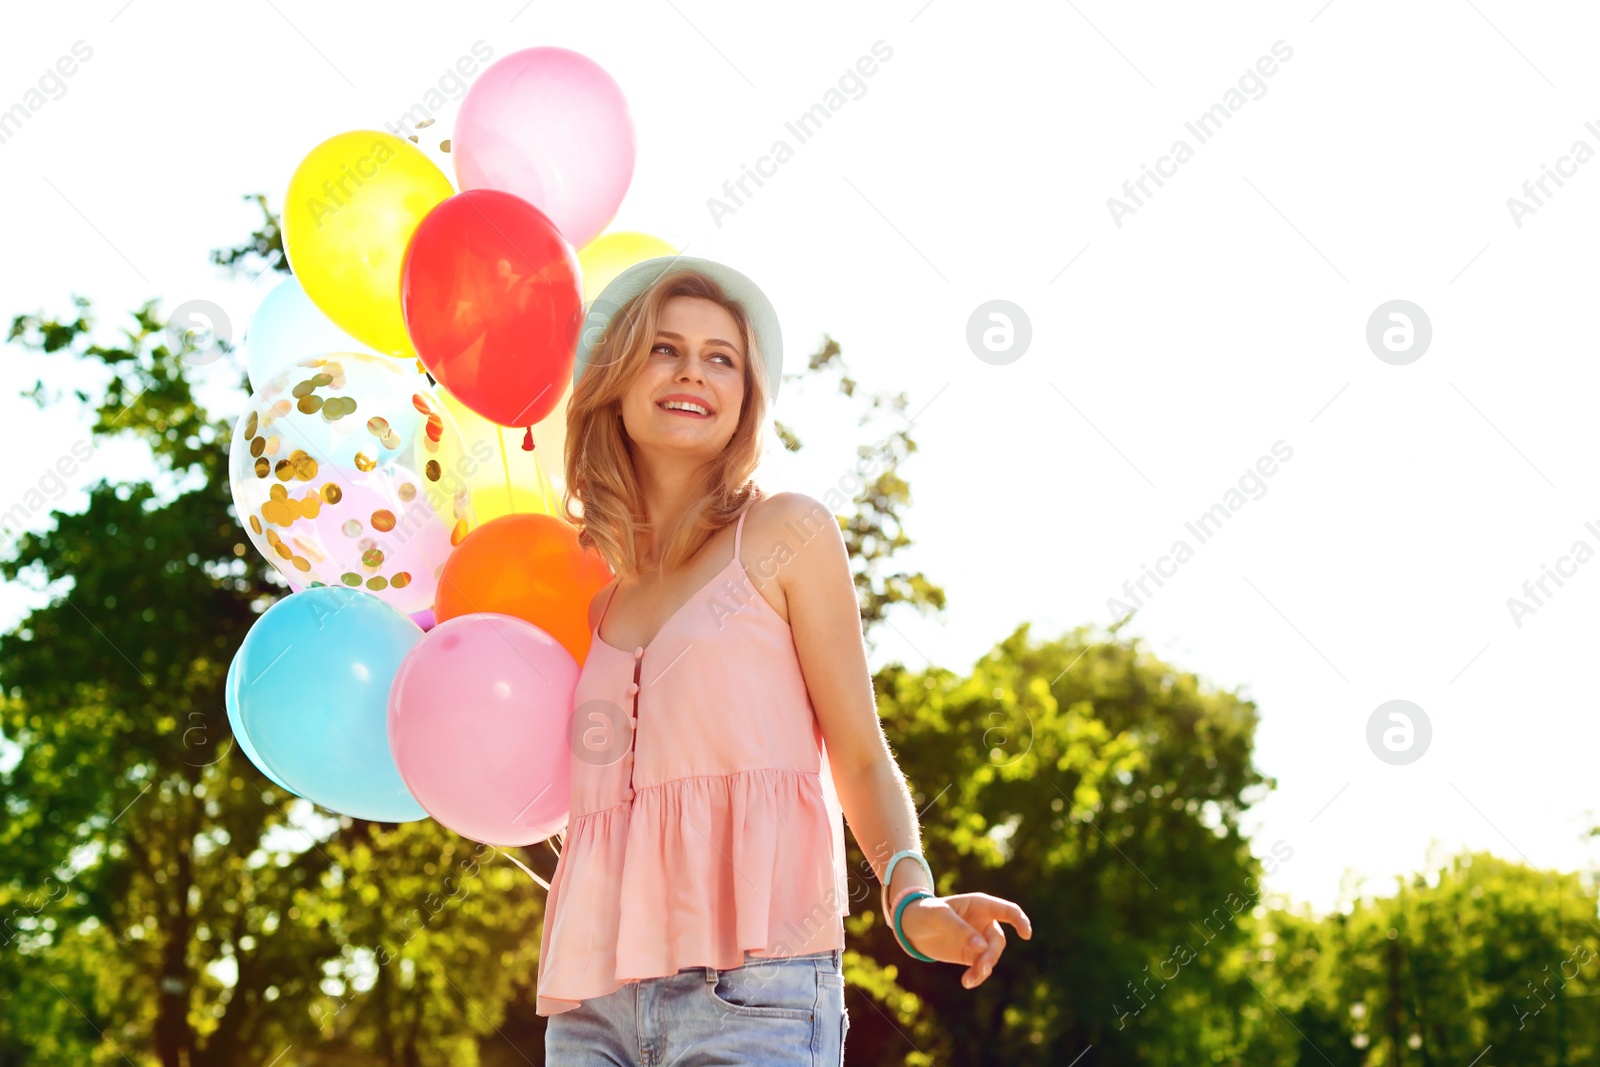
814	573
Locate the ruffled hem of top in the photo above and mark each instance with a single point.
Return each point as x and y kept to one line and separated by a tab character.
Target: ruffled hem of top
692	872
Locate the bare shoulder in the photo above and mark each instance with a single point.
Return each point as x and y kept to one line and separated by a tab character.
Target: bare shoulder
787	523
597	602
772	514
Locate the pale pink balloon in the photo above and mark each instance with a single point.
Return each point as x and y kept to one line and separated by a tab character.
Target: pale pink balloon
424	619
373	531
480	713
551	126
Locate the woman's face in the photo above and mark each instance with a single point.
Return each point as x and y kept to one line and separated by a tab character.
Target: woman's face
697	357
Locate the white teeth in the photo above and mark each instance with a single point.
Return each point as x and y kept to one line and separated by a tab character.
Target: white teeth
684	405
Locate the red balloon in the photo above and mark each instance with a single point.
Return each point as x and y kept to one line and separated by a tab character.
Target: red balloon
493	301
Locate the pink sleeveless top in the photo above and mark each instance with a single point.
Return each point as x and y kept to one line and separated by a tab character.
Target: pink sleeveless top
704	820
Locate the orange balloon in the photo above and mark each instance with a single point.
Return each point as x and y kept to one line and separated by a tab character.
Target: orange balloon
529	566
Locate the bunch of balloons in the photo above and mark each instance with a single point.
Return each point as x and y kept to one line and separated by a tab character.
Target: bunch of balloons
425	660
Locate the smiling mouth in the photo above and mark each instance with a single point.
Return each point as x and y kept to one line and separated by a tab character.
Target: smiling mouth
685	410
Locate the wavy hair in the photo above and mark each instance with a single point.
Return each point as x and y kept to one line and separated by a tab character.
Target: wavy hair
598	461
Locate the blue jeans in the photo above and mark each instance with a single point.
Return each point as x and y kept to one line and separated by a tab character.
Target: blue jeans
770	1012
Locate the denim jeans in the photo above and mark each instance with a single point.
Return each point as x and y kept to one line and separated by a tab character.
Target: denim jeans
769	1011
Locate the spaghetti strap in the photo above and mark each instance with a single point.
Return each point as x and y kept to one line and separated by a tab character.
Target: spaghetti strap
738	531
607	608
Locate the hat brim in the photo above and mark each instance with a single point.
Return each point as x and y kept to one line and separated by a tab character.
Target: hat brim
639	277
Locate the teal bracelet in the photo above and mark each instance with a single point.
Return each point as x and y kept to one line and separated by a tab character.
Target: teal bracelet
888	872
900	935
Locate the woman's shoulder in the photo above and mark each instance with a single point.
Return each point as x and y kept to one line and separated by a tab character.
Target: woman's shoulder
778	508
786	523
598	601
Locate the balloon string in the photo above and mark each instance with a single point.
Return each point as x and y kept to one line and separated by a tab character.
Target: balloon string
530	874
505	465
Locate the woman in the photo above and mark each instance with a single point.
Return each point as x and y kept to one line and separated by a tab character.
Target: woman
725	717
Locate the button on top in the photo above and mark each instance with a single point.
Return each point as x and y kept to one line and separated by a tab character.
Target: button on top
633	687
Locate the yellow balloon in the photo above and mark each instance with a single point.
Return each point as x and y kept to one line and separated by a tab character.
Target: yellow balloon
502	478
491	502
608	255
352	206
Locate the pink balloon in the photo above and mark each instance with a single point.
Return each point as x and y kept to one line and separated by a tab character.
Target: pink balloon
424	619
551	126
480	713
417	541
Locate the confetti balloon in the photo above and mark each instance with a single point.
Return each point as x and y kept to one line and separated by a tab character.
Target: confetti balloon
342	469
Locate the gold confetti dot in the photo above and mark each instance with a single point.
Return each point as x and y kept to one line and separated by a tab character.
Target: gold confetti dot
332	493
350	579
310	405
459	533
284	470
401	580
444	145
392	441
305	467
263	468
300	563
408	492
272	536
322	379
372	558
352	528
255	525
425	123
256	445
302	389
378	583
250	424
432	470
420	402
378	426
283	550
366	461
383	521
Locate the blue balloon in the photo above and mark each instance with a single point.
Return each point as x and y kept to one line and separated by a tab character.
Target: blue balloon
231	698
286	328
314	678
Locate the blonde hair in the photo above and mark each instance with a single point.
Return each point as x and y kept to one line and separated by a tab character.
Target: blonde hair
599	462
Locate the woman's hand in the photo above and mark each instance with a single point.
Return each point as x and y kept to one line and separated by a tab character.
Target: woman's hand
963	928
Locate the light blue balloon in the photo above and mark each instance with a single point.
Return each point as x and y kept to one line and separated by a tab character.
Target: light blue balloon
314	678
240	736
286	328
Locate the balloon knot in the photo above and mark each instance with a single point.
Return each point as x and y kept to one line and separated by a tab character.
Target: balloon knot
527	440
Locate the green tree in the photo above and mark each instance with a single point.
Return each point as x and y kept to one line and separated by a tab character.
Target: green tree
1481	953
1099	788
160	900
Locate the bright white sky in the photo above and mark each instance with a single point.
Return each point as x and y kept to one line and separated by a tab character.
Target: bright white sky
1226	314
